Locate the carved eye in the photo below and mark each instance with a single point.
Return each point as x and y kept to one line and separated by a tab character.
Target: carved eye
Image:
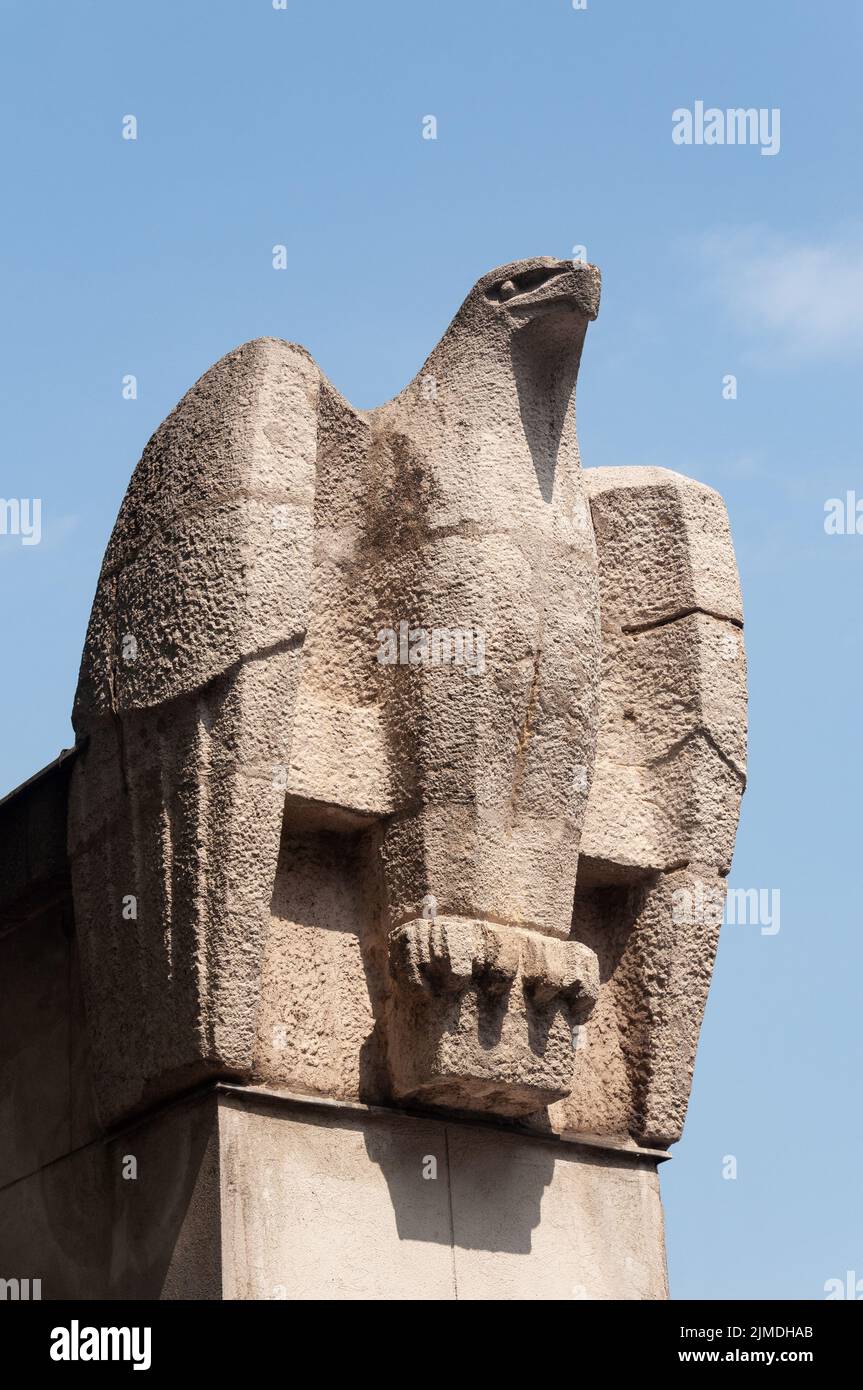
528	280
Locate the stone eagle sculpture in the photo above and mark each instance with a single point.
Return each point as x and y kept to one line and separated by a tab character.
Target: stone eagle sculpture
407	745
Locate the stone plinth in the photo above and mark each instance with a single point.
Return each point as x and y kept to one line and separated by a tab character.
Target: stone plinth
243	1195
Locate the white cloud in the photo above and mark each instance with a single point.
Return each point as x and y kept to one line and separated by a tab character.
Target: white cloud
802	300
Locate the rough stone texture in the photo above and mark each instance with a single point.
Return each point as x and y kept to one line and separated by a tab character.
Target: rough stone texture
665	797
665	547
324	971
392	673
173	800
483	1015
269	535
671	753
407	772
408	755
656	943
482	524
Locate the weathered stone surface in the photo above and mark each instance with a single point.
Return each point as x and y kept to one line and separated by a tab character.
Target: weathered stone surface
408	770
231	677
656	943
484	1013
484	528
671	760
665	794
665	546
660	990
325	971
177	800
671	753
415	719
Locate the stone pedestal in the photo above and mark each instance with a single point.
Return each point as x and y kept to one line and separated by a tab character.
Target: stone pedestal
244	1194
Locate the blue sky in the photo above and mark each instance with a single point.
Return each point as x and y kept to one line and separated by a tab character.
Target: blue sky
303	127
